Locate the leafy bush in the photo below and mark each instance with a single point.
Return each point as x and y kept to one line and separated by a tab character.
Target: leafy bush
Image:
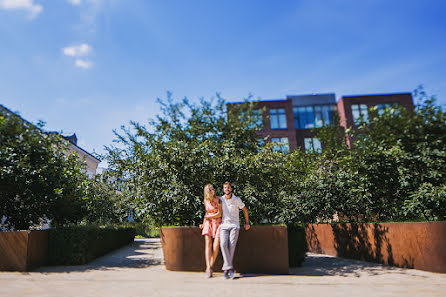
166	166
394	170
37	179
76	245
104	204
428	203
40	180
297	244
147	230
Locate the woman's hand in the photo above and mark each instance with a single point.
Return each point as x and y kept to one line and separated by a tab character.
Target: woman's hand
212	216
201	226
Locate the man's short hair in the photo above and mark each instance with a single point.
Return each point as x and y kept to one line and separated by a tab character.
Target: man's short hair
228	183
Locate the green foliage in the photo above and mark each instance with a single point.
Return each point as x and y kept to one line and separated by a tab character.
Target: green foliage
297	244
166	166
104	204
394	170
76	245
427	203
39	180
146	230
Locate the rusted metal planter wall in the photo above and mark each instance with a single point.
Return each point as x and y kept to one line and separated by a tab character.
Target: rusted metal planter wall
23	250
262	249
412	245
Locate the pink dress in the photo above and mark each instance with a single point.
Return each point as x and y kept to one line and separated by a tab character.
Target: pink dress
211	227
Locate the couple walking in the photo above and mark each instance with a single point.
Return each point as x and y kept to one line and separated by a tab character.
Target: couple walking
221	227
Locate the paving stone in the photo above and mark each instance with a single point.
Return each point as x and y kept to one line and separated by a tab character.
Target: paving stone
138	270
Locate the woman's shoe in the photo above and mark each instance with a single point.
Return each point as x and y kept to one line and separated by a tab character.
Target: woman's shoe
208	273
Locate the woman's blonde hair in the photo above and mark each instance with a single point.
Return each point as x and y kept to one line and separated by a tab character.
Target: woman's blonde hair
207	193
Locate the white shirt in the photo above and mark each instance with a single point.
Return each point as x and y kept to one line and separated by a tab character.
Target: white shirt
231	208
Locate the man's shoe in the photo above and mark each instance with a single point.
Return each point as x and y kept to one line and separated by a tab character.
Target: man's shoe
232	273
226	274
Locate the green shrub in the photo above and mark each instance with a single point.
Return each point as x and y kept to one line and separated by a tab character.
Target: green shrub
297	244
76	245
146	230
38	180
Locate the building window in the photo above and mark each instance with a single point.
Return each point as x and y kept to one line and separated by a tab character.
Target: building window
312	145
257	113
303	117
283	144
316	116
360	113
257	116
278	118
382	107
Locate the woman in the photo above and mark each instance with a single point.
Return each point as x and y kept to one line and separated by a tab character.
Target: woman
211	227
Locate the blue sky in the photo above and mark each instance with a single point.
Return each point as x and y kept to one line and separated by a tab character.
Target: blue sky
90	66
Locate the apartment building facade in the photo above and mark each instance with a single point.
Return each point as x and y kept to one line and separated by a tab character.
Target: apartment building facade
290	121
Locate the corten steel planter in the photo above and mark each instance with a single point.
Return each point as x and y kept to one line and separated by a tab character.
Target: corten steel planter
262	249
23	250
411	245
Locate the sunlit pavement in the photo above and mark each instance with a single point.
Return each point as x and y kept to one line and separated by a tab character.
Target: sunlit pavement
138	270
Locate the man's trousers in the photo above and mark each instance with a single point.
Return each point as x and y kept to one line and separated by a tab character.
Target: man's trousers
228	241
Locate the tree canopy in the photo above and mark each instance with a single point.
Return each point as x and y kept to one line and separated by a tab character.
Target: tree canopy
394	169
40	181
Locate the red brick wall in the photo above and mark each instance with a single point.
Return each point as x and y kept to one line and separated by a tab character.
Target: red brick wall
345	103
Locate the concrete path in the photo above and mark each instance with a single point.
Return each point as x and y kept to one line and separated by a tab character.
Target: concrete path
138	270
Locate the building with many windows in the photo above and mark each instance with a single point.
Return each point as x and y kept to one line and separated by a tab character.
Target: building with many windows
354	109
290	121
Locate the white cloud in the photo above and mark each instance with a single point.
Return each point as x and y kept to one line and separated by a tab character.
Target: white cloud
74	2
83	64
77	50
27	5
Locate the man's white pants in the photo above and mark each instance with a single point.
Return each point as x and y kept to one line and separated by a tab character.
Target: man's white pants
228	241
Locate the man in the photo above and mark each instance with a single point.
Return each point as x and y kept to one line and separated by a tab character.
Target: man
230	228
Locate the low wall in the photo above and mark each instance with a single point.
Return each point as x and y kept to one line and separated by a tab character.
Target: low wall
262	249
23	250
37	249
411	245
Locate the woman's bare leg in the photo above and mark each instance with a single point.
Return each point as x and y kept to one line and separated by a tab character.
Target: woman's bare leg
208	251
216	248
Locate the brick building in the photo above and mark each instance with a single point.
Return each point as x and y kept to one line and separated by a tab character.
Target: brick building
290	121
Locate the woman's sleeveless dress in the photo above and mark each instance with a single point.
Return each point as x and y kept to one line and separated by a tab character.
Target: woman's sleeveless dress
211	227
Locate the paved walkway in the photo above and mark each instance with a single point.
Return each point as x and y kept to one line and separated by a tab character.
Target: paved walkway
138	270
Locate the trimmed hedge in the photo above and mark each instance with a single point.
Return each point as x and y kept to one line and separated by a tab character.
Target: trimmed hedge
297	244
76	245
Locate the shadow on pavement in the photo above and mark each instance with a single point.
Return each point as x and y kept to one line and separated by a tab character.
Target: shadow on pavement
323	265
139	254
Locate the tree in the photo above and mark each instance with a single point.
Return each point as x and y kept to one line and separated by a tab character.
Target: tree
167	164
104	203
37	179
395	169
